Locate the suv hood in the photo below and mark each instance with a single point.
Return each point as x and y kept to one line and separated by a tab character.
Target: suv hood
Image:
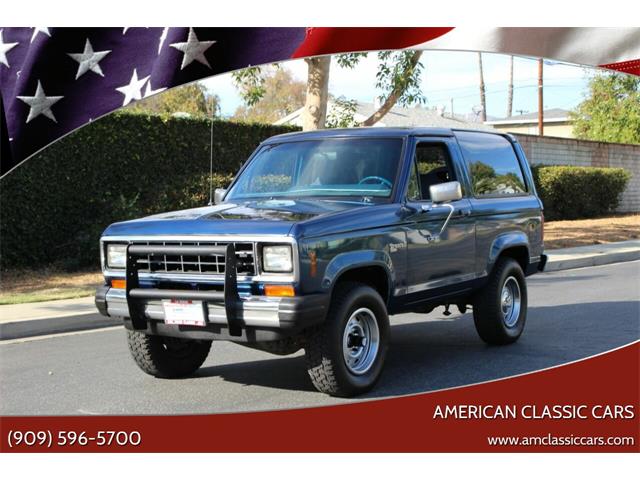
267	217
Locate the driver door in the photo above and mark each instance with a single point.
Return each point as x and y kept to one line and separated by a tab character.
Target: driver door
437	264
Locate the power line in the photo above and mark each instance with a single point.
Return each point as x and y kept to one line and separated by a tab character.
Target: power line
455	97
505	81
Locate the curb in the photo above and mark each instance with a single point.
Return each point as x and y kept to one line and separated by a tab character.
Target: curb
73	322
558	264
50	326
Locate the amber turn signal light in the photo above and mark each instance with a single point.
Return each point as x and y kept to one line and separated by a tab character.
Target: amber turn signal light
279	291
118	283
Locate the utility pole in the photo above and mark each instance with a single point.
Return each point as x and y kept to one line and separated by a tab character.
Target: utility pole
483	101
510	91
452	114
540	99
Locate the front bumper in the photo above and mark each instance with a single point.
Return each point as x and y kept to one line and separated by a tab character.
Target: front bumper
228	315
287	313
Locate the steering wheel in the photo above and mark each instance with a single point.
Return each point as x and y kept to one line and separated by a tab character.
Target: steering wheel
382	180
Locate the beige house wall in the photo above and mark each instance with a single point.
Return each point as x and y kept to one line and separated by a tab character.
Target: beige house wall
564	130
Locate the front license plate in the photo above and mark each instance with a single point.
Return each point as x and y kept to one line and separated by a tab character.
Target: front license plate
183	312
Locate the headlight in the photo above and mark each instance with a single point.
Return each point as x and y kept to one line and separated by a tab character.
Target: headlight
277	258
116	255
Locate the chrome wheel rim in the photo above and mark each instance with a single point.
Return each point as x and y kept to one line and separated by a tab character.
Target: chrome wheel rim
360	341
510	302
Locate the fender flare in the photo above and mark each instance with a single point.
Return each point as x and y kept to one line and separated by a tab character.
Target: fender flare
505	241
347	261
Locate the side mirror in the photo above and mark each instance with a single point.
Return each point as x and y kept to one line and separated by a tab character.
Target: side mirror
218	195
445	192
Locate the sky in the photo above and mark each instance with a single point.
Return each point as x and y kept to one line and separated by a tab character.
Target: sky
447	75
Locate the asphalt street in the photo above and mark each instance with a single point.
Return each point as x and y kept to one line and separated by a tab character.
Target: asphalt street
573	314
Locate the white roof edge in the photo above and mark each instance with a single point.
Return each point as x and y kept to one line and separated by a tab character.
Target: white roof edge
289	117
522	122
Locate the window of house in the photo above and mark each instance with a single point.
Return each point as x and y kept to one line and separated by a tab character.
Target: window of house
493	165
432	166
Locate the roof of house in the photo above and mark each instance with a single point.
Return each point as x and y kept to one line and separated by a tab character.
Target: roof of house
397	117
551	115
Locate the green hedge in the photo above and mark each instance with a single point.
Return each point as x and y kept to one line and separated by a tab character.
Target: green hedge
55	206
579	192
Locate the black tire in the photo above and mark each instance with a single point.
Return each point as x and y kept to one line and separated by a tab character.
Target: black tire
167	357
492	324
326	363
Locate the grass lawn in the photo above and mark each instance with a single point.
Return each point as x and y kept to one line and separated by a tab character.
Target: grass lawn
578	233
26	286
39	286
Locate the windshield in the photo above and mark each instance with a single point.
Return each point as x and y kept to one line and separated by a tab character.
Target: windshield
352	167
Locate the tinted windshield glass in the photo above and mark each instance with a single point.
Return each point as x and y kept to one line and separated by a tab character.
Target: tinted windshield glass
362	167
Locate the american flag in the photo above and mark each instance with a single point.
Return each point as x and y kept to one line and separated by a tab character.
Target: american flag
54	80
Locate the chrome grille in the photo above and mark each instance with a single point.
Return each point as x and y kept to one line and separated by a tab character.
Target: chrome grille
245	259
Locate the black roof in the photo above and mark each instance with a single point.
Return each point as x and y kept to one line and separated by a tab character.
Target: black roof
374	132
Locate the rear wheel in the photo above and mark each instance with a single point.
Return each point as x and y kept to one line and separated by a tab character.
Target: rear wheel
167	357
500	308
345	355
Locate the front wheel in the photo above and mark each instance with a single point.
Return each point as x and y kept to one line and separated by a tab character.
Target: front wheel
500	307
345	355
167	357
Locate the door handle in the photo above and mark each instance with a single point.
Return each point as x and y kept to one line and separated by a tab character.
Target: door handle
464	212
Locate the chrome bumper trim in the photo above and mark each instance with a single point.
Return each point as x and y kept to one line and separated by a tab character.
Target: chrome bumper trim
252	311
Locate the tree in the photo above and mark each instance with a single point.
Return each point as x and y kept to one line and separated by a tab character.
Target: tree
192	99
342	113
269	95
315	106
610	111
398	77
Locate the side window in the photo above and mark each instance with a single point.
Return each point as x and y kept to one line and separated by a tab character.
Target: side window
493	165
433	166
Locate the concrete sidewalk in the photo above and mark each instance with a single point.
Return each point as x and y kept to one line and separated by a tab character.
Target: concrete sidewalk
44	318
53	309
592	255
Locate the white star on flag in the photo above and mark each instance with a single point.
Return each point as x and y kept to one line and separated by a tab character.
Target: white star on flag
4	48
148	91
40	104
163	37
89	60
132	91
37	30
193	49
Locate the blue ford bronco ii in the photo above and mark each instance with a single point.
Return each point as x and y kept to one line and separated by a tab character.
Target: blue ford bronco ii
320	237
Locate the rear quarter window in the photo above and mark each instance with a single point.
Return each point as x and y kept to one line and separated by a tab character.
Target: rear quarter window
493	165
